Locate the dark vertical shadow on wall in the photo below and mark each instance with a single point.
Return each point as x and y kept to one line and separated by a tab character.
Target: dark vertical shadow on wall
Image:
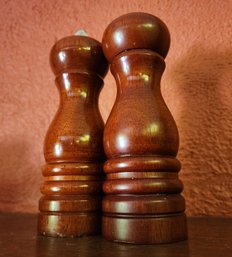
203	79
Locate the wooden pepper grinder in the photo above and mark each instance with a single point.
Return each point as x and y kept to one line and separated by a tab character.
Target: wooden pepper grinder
143	204
73	148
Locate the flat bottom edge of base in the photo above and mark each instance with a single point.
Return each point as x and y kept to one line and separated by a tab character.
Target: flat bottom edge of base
68	225
155	230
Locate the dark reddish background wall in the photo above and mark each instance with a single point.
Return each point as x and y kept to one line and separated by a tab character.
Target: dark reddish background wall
196	86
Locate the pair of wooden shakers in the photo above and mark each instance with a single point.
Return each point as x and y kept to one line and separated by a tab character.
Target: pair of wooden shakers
136	149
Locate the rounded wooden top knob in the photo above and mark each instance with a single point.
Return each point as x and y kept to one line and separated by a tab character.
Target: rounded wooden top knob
78	54
136	31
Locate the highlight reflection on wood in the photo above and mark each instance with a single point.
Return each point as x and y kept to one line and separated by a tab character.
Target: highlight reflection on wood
73	148
143	204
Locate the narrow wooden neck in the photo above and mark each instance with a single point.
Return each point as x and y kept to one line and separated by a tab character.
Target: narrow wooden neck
75	135
81	87
138	69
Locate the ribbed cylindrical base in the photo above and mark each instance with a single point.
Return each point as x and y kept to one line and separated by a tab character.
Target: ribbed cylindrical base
71	201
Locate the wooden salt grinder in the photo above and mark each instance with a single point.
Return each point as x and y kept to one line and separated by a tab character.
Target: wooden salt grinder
143	204
73	148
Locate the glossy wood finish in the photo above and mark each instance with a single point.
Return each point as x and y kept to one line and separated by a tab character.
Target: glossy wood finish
208	236
73	149
136	31
142	203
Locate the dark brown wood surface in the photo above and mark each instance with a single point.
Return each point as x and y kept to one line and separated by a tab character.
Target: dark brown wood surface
143	202
208	237
73	147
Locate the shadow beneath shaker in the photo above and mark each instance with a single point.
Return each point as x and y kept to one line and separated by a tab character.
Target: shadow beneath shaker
98	247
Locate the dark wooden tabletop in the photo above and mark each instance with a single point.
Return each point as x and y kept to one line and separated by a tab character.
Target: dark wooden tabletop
208	237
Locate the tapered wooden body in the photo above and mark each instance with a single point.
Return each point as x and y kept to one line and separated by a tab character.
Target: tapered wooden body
143	204
73	148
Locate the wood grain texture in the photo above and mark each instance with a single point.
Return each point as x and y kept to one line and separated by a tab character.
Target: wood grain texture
196	86
207	237
73	148
140	138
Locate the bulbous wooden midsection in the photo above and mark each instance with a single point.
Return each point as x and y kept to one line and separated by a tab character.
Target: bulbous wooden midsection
140	122
75	134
